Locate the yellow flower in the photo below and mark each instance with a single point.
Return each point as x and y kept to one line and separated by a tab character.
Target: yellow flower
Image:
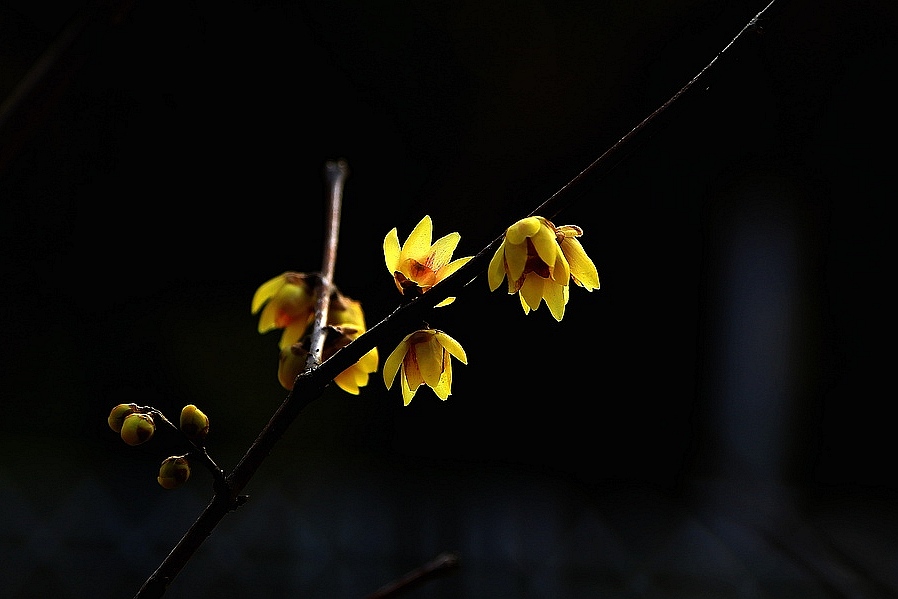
540	260
345	322
293	360
289	301
424	357
418	265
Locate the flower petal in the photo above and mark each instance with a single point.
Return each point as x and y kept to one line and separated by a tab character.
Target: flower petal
429	357
452	346
392	250
561	272
346	380
440	253
583	270
496	270
521	230
532	290
443	388
515	259
450	268
417	245
545	244
555	298
407	392
266	291
394	361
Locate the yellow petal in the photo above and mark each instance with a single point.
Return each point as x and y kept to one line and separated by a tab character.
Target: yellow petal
368	362
268	318
429	357
450	268
292	334
545	244
515	260
561	272
555	298
391	250
394	361
266	291
582	268
445	302
443	388
407	392
532	290
417	245
521	230
452	346
411	371
440	253
524	304
346	381
496	271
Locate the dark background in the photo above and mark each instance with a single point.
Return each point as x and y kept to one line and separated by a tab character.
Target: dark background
160	160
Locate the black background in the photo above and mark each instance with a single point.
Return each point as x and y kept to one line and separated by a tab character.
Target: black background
171	160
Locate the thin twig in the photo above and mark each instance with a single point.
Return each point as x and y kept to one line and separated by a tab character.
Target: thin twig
441	565
310	384
335	173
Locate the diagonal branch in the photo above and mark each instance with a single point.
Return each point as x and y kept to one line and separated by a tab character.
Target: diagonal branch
310	384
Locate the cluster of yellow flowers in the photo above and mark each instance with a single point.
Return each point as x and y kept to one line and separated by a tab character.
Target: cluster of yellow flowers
539	259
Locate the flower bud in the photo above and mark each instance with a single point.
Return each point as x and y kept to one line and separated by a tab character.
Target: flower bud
194	423
137	428
174	472
118	414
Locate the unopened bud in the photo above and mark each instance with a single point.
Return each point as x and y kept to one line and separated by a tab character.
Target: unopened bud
118	414
194	423
174	472
137	428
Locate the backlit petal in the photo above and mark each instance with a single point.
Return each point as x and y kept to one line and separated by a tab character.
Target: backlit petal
429	356
561	272
268	318
496	271
394	361
346	381
443	388
407	392
391	251
418	243
368	362
410	371
440	253
266	291
582	268
555	299
450	268
545	244
452	346
532	290
515	259
292	334
521	230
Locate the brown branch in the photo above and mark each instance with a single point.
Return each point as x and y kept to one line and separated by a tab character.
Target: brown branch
311	383
443	564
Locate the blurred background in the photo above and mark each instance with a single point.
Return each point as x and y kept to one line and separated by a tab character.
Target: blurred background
712	422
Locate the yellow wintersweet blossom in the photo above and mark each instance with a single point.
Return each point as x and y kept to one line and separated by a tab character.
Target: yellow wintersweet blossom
289	301
345	322
293	359
424	357
418	264
540	260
